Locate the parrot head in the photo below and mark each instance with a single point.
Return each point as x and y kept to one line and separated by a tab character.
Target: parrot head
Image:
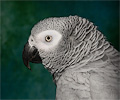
56	44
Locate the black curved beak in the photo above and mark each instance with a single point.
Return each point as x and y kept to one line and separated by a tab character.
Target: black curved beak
30	54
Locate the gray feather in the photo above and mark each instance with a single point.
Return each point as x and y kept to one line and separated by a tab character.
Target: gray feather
84	65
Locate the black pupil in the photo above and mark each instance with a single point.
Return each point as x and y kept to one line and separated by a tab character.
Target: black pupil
48	38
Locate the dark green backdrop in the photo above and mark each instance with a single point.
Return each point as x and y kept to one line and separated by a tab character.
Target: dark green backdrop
17	19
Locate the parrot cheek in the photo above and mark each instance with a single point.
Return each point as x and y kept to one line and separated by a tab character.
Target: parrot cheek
30	54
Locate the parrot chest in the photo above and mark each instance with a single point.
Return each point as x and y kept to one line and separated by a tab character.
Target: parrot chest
93	81
73	86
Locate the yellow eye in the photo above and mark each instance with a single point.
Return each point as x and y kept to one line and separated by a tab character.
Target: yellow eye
48	38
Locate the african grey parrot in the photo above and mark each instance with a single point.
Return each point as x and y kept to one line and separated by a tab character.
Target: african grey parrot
82	62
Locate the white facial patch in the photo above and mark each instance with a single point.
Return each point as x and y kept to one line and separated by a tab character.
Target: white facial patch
41	42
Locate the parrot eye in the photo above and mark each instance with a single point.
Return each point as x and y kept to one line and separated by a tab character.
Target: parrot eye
48	38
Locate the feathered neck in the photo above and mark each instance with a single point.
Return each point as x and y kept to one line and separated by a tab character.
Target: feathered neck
89	45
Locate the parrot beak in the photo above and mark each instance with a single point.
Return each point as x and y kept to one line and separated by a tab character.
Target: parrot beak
30	54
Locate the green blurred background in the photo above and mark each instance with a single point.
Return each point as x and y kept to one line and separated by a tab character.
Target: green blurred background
17	19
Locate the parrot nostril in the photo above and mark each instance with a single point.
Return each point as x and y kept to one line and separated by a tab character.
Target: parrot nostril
31	40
